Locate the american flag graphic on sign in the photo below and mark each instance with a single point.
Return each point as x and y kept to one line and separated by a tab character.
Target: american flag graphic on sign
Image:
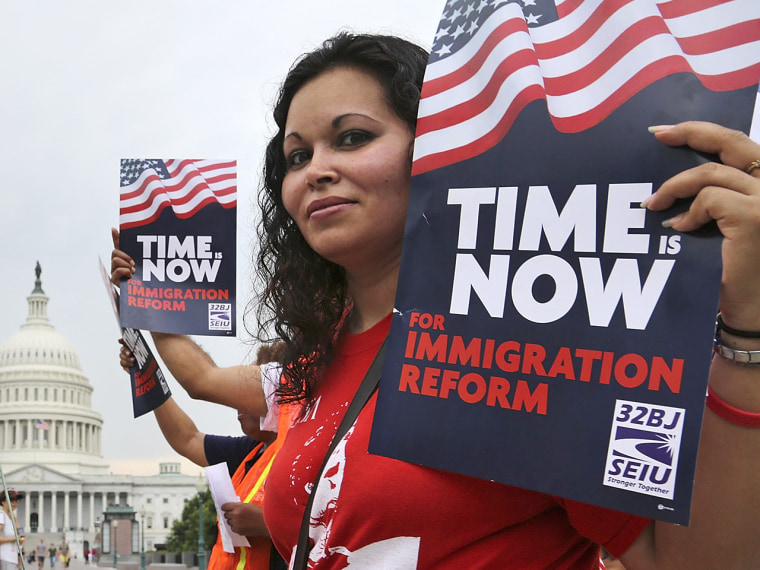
150	185
585	58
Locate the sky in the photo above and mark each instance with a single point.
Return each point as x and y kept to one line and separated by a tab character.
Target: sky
84	83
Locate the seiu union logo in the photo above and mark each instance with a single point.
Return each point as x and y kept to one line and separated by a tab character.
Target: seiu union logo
643	452
220	316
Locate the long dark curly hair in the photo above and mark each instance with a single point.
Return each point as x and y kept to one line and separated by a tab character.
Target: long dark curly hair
303	298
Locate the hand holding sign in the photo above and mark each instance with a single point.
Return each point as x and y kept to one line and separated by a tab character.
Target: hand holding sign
730	196
122	265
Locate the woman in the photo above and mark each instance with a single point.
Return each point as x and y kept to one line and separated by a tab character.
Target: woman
336	186
333	210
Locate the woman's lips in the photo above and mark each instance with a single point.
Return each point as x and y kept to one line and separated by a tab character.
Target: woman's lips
327	206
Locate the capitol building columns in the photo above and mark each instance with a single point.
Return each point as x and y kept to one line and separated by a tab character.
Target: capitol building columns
61	435
59	511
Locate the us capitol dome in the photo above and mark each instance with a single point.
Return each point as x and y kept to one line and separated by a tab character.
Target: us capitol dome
46	414
50	450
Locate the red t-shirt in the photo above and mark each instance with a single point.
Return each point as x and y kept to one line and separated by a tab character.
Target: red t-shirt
377	512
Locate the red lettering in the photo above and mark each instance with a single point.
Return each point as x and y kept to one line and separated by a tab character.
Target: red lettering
480	388
410	340
563	364
587	362
430	381
533	359
498	388
427	350
511	364
448	382
639	374
526	400
461	354
671	376
409	377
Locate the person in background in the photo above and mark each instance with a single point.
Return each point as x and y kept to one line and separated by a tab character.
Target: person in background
41	553
9	552
64	553
52	553
247	457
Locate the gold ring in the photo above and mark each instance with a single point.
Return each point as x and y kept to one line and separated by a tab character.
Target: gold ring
752	166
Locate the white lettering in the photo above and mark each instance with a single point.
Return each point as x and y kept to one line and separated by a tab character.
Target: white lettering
621	217
623	283
491	289
470	199
578	217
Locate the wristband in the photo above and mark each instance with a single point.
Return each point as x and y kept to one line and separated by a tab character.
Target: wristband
729	413
721	325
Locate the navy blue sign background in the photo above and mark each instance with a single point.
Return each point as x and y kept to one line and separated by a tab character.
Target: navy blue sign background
563	452
147	305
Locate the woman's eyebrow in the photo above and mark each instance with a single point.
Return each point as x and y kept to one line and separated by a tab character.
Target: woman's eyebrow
337	120
335	123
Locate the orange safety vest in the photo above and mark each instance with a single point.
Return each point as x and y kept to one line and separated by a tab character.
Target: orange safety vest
250	488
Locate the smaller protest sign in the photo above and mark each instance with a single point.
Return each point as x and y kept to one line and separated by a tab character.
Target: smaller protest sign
178	223
149	386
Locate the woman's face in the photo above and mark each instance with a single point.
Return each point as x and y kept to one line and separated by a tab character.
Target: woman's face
348	169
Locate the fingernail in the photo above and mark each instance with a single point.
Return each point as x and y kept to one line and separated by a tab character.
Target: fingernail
645	202
659	128
674	220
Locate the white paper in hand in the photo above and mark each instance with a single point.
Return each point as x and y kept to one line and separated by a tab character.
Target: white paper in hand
222	492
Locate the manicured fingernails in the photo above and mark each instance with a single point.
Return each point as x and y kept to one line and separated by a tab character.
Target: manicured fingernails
659	128
671	221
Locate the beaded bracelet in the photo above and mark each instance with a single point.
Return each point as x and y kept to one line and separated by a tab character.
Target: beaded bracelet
724	410
721	325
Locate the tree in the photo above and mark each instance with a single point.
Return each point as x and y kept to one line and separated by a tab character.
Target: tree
184	534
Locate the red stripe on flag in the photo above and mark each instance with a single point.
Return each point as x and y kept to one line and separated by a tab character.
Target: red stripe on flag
468	109
731	36
678	8
439	160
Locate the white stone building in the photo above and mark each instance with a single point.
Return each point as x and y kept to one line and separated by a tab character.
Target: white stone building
50	446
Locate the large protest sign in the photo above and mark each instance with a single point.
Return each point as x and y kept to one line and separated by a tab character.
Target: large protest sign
149	388
178	222
549	332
